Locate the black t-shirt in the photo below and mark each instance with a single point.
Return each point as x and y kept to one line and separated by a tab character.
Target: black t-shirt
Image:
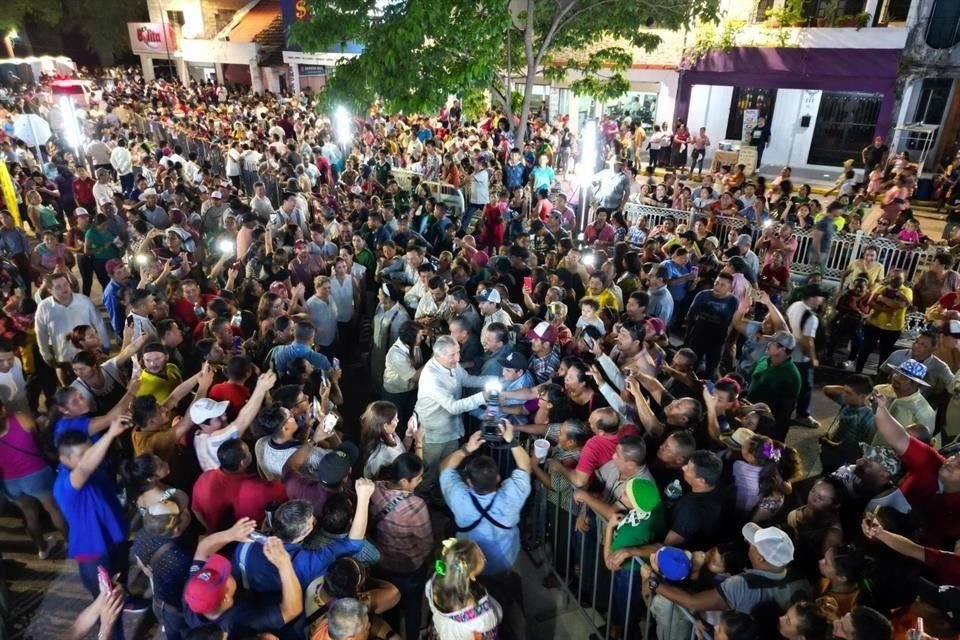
583	411
696	517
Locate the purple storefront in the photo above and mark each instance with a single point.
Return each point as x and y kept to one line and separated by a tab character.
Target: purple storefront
828	102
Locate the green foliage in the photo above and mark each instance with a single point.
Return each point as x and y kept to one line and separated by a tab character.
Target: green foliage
474	104
417	52
13	12
792	14
103	24
716	37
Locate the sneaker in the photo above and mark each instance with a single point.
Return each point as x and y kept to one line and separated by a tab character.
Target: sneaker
849	365
47	551
134	604
807	421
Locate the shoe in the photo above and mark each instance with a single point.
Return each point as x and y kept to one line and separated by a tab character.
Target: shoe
807	421
849	365
135	605
46	552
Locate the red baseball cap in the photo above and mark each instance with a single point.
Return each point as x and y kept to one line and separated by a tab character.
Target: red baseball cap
112	265
543	331
206	589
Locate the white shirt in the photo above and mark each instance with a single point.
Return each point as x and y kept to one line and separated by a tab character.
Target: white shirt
13	388
342	294
439	403
323	315
233	162
480	187
121	161
794	316
207	445
54	322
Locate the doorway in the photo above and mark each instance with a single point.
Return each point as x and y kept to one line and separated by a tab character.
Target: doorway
845	125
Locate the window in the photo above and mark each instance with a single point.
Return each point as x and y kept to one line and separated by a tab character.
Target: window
762	7
762	100
932	104
845	125
943	28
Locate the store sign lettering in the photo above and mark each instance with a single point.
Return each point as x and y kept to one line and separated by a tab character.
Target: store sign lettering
301	11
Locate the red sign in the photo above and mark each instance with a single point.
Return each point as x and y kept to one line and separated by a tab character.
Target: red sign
151	37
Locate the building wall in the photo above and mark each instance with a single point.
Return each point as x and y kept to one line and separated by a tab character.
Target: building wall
710	108
789	142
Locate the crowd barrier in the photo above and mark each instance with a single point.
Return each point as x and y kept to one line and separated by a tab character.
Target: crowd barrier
845	248
609	601
446	193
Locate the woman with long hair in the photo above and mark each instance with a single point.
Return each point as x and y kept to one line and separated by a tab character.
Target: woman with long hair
762	477
461	608
404	362
144	479
379	441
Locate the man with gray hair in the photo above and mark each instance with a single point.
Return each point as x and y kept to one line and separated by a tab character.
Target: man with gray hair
349	619
440	406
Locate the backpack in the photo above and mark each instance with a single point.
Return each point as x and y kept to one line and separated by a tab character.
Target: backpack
820	338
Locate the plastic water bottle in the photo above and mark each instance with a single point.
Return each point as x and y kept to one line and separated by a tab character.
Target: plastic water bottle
673	491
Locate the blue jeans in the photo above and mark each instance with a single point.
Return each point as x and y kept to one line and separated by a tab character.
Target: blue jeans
410	586
627	600
468	216
171	620
115	560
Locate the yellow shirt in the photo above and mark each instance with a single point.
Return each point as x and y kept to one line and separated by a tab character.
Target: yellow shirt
890	319
160	387
606	298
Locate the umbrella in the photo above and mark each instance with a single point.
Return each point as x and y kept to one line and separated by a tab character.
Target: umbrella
32	129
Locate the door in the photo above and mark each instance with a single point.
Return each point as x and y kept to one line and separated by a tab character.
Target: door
763	100
845	125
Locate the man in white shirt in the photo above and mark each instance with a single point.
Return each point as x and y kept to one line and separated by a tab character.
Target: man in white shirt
233	164
479	192
56	317
440	406
103	189
210	417
803	322
13	385
122	163
323	315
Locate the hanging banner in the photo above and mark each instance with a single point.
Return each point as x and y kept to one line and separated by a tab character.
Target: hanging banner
9	194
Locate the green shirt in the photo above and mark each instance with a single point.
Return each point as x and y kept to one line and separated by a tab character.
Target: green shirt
770	382
639	528
101	244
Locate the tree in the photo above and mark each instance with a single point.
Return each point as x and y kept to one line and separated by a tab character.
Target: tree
417	52
14	11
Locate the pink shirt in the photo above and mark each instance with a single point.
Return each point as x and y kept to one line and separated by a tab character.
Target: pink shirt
19	454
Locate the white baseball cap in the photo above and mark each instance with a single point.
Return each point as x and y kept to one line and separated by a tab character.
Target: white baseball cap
206	409
217	195
772	543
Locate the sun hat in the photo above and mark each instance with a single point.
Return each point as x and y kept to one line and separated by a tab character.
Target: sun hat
913	370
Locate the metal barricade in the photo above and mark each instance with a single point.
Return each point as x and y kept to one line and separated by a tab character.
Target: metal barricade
448	194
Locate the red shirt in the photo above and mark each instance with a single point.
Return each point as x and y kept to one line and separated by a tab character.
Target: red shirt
237	394
944	565
599	449
219	498
83	192
939	512
949	302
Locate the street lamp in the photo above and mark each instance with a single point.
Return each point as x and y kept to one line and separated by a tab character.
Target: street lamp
585	168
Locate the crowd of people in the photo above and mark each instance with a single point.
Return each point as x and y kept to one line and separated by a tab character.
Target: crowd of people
345	409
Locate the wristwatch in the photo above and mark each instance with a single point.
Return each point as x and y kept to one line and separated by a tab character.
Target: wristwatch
653	582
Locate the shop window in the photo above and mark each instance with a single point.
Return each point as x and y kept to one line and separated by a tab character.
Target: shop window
943	27
845	125
762	100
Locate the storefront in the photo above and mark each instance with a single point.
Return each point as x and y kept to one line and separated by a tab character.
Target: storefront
823	105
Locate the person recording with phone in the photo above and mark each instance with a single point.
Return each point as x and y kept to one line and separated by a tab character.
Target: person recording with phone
87	495
487	508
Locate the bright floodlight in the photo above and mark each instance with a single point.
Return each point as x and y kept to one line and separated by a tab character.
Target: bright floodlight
588	159
71	132
341	119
